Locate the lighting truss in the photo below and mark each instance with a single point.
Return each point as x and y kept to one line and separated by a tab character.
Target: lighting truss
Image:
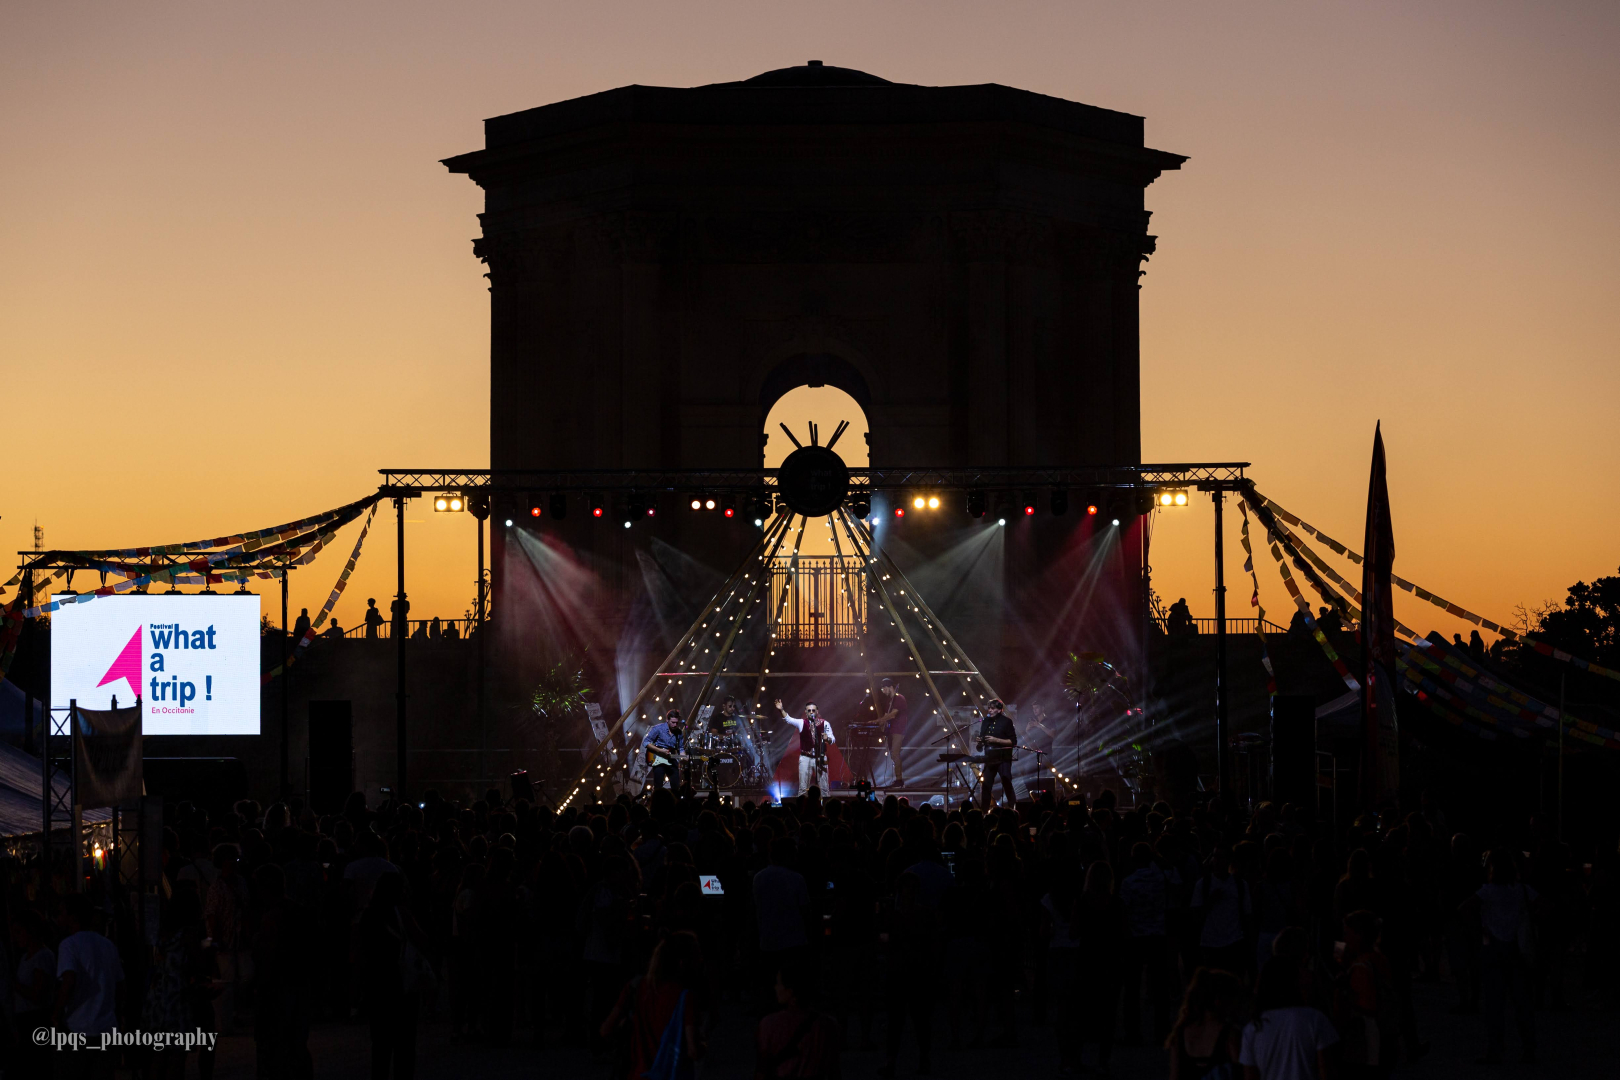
1220	476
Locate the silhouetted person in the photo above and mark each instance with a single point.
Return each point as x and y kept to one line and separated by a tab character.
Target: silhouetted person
997	739
435	629
1206	1039
893	720
662	1008
399	613
374	619
1297	626
1476	645
1458	643
88	973
1328	619
1287	1039
797	1040
390	948
301	624
1100	930
1503	907
1178	621
912	936
34	991
333	631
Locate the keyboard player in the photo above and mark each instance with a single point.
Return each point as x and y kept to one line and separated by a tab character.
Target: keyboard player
997	738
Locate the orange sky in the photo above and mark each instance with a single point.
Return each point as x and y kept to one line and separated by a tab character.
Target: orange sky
234	279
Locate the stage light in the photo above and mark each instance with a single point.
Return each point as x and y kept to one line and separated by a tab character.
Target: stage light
1091	509
728	507
918	503
1060	502
1115	522
1172	497
534	510
559	505
899	511
1029	504
933	502
697	504
1001	521
861	506
597	509
975	504
449	503
508	523
709	503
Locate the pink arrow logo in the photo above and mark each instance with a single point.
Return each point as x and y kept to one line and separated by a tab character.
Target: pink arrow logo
127	666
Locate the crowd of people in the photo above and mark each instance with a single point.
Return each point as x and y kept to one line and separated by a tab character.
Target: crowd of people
1258	942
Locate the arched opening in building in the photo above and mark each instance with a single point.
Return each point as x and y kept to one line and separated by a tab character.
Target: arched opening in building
825	406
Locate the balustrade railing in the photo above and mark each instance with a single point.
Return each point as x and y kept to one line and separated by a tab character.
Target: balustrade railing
822	600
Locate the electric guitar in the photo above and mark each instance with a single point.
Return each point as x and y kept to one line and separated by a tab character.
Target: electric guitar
820	745
657	755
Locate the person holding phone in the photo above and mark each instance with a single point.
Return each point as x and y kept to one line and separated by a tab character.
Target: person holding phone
815	742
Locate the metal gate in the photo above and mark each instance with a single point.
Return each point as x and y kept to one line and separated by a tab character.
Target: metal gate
821	600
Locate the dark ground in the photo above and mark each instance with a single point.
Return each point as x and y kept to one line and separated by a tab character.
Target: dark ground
1583	1042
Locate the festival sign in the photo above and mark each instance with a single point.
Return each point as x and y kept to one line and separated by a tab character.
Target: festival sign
193	660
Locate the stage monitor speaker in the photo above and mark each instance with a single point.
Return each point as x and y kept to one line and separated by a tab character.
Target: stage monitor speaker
1293	751
331	755
1042	785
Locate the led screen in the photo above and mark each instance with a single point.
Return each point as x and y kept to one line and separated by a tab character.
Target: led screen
193	660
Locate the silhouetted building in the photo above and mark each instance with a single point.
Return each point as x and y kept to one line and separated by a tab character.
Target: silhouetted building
666	263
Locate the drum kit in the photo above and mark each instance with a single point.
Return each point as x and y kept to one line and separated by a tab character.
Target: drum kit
726	759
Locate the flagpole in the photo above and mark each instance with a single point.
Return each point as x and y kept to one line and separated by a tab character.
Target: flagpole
1223	757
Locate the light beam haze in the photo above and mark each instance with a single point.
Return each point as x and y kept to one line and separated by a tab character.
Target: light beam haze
233	271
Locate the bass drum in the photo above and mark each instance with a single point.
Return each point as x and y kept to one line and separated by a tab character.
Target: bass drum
727	768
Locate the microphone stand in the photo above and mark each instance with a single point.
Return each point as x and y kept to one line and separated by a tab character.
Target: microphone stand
1038	755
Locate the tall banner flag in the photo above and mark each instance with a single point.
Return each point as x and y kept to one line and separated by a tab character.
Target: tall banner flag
1381	768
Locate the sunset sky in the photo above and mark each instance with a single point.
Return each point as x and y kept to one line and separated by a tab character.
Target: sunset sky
235	280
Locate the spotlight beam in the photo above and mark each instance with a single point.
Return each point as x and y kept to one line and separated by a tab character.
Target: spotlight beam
847	577
911	645
736	628
777	529
861	540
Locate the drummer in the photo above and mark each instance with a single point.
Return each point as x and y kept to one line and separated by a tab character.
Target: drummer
729	724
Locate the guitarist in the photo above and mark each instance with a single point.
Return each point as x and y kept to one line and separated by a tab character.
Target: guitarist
894	725
662	744
815	739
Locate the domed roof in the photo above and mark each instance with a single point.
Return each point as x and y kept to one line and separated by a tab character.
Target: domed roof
813	73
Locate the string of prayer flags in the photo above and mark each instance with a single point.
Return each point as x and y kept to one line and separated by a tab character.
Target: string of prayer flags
331	601
1310	622
1450	608
1254	602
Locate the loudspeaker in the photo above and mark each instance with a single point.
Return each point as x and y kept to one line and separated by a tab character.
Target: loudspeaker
1293	751
331	755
